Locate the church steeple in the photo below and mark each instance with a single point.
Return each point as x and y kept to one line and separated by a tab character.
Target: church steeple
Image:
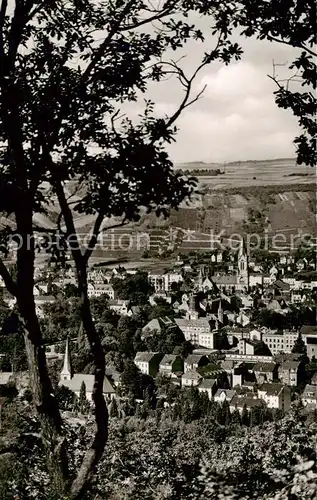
242	250
243	264
66	373
220	313
192	313
201	277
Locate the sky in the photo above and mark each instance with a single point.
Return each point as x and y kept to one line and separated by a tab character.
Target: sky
237	118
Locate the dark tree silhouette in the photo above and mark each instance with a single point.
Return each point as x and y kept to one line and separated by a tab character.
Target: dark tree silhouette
299	346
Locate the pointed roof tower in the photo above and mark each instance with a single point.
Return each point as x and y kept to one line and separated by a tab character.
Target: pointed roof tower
201	275
66	373
220	312
242	250
192	305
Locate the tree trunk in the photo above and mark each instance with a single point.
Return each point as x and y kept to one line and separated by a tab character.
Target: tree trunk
97	447
41	386
96	450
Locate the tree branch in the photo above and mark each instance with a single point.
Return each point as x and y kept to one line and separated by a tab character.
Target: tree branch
156	17
285	42
101	49
311	52
94	237
97	231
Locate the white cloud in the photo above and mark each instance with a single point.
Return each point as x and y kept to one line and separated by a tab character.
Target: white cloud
236	119
237	80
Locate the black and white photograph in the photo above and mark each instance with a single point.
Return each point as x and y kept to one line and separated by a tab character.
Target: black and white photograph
158	243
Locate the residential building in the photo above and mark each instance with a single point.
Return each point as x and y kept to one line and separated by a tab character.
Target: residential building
291	372
119	306
275	395
157	325
5	377
309	335
252	347
170	364
208	386
206	340
255	279
279	342
281	287
309	396
223	395
236	333
194	361
191	379
96	277
252	358
40	301
247	401
192	328
148	362
99	289
265	372
162	282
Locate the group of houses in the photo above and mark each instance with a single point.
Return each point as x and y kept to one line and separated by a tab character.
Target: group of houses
241	384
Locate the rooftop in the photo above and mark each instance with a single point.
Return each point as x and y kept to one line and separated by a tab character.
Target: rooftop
264	367
271	389
76	381
194	358
207	383
144	357
200	322
168	359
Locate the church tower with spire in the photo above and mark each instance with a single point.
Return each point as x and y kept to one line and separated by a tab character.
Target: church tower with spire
66	373
201	277
191	312
243	264
220	313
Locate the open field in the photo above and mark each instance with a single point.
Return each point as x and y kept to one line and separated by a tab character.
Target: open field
254	173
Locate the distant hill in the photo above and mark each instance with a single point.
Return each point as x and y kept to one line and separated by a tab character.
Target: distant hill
245	198
212	165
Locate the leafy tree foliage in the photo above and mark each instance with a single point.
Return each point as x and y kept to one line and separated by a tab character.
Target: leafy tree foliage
299	346
114	412
135	288
166	340
161	309
66	398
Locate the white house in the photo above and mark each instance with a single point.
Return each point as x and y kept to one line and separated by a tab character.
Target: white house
275	395
40	301
148	362
119	306
191	378
224	395
206	339
309	396
194	361
208	386
193	328
97	290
